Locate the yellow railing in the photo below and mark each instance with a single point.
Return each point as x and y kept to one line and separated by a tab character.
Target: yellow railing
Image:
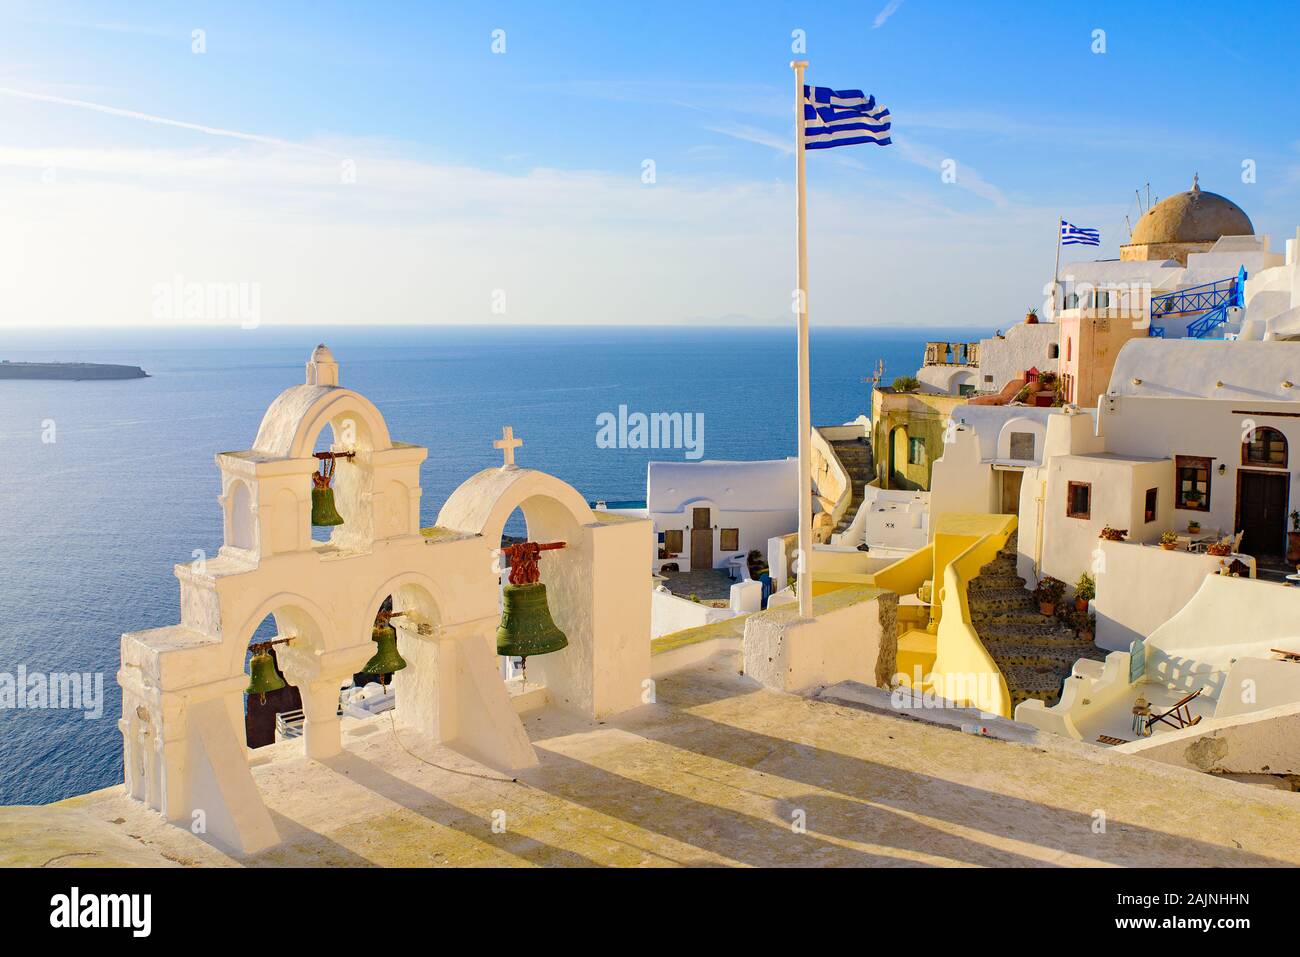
964	672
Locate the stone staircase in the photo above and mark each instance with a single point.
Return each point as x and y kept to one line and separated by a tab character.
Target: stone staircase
1034	652
855	456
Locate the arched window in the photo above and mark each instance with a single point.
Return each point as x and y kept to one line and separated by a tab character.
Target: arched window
1264	447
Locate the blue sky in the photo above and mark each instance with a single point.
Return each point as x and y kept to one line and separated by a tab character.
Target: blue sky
508	187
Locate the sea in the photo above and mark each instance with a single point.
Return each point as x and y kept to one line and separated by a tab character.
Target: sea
106	485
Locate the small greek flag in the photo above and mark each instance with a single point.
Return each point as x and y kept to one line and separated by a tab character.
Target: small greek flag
842	118
1072	235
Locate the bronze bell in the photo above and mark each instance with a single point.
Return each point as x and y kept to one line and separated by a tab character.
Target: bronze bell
526	625
262	676
386	658
323	511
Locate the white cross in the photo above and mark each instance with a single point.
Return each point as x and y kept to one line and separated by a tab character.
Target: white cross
507	444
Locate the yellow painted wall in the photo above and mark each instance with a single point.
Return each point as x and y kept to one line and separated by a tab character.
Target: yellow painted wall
897	417
948	649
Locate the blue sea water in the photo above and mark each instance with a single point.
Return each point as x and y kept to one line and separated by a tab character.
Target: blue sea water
92	523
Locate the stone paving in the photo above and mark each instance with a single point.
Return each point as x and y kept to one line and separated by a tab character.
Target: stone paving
707	584
715	773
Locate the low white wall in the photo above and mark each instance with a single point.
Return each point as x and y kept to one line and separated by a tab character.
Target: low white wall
1262	742
843	642
669	614
1140	587
1092	692
891	518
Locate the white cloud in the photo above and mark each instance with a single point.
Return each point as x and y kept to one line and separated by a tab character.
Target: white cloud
890	9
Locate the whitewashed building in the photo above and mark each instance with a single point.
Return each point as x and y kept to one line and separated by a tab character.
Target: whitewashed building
1190	431
707	514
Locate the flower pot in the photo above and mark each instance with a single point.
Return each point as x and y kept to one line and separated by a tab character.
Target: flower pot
1169	546
1293	546
1047	607
1081	604
1193	527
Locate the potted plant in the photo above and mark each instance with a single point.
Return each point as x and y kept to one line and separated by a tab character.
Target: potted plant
1293	539
1193	527
1169	541
1220	548
1114	534
1048	594
1193	498
1085	590
906	383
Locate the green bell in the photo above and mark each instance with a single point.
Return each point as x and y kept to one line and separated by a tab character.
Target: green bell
323	511
526	626
262	676
386	660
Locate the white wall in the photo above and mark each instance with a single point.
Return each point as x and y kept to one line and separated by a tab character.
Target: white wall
1022	347
960	482
1208	427
1140	587
669	614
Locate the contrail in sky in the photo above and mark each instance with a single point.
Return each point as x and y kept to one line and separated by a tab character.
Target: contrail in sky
161	120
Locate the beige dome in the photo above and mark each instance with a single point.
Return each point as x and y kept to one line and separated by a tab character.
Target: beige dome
1192	217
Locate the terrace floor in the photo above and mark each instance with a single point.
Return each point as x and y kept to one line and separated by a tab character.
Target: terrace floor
707	584
717	772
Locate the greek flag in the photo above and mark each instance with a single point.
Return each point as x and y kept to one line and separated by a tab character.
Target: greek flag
842	118
1072	235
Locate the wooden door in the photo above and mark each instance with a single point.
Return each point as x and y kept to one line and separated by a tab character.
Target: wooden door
1011	492
1261	512
701	539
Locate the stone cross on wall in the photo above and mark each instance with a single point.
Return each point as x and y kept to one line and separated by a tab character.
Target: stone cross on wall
507	444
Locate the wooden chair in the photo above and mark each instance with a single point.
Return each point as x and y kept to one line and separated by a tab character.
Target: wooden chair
1180	715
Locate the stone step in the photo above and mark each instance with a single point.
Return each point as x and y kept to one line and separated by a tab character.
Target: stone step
1001	580
1064	655
999	589
1007	616
1036	631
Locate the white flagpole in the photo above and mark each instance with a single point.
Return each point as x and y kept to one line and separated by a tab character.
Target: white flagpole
804	581
1056	273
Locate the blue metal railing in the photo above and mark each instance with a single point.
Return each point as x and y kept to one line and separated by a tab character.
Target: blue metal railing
1209	301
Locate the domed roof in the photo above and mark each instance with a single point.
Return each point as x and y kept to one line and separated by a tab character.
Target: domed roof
1195	216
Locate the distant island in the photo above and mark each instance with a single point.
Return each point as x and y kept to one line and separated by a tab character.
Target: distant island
68	370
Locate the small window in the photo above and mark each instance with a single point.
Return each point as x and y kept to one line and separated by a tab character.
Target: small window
988	379
1069	349
1022	446
1078	500
1149	512
915	451
1264	447
673	541
729	540
661	538
1193	489
1053	351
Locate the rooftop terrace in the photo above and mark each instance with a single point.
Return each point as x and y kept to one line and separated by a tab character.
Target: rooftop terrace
713	774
